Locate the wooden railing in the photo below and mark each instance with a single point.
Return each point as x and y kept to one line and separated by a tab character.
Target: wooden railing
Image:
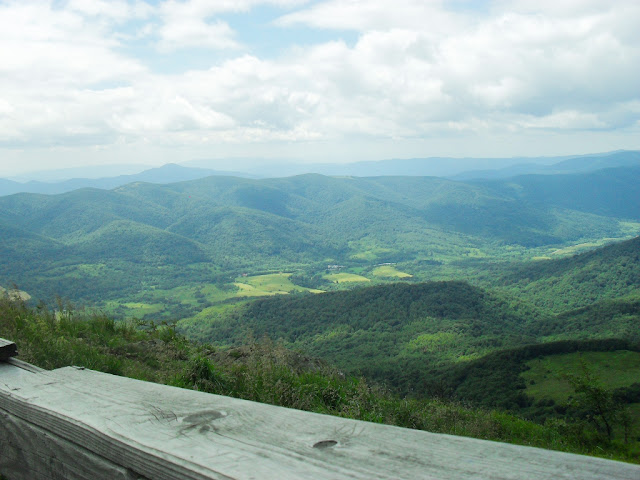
74	423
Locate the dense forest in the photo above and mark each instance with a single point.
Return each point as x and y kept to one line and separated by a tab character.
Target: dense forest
268	372
145	236
429	338
418	301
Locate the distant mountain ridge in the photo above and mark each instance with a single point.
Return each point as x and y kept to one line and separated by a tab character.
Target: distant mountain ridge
454	168
448	167
237	224
169	173
578	164
609	191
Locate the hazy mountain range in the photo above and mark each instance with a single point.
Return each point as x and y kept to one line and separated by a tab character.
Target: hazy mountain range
236	224
195	249
168	173
66	180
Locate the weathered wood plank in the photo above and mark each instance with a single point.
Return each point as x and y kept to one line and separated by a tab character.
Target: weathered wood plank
11	374
24	365
8	349
29	452
164	433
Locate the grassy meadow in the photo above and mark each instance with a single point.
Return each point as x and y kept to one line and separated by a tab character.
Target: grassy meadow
345	277
266	285
389	271
546	377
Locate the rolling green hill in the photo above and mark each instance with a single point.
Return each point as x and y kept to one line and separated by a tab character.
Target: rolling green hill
380	330
581	280
395	333
609	192
125	240
416	336
229	225
266	372
203	252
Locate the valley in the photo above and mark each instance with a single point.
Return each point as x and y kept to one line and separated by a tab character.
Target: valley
142	237
418	213
487	292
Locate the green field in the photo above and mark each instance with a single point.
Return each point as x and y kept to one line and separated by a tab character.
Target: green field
582	247
344	277
133	309
267	285
190	304
612	369
389	271
170	304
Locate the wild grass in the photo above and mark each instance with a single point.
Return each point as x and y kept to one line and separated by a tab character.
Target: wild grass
264	372
546	376
53	338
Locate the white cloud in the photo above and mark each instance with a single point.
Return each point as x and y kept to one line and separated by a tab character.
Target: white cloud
113	10
195	23
428	16
42	47
70	75
567	119
188	32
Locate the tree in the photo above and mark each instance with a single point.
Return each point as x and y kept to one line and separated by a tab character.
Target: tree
597	403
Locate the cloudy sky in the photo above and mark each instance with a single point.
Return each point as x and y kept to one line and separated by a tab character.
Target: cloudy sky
87	82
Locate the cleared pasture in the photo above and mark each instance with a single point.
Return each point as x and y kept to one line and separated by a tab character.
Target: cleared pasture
344	277
612	369
389	271
267	285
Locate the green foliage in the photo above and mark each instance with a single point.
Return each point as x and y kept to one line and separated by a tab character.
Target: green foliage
496	380
598	404
93	245
372	331
579	281
64	336
262	371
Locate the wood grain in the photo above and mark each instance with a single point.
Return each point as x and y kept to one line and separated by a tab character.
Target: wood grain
29	452
162	432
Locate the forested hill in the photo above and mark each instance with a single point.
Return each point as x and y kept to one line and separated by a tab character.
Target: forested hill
143	235
610	191
610	272
405	333
401	333
377	330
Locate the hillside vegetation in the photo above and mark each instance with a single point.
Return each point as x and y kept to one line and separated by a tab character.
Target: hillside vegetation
581	280
265	372
411	336
387	299
368	330
451	339
142	236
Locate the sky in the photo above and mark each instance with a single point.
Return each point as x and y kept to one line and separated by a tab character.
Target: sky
93	82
